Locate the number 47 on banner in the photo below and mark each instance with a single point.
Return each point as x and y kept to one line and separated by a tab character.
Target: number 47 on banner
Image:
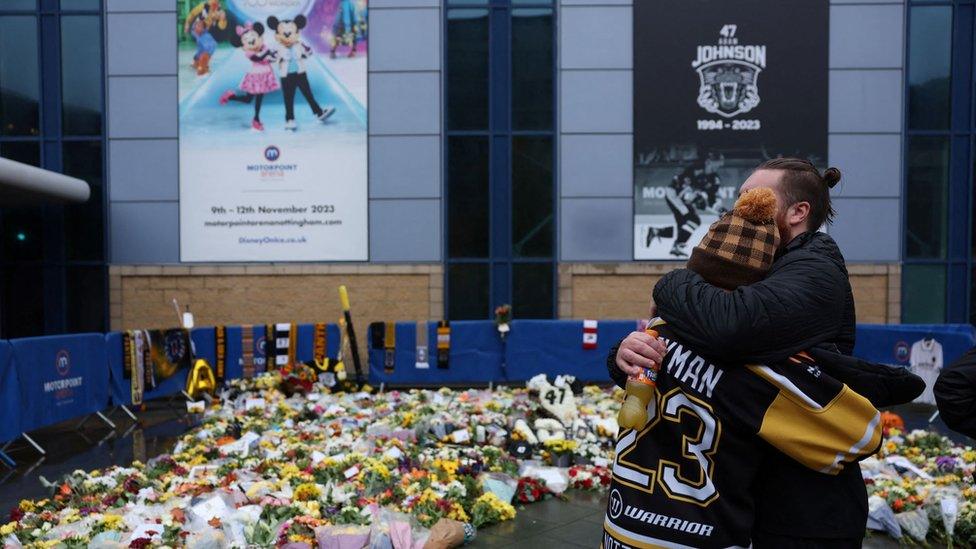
728	31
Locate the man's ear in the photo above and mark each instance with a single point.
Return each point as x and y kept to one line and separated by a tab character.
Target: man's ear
798	213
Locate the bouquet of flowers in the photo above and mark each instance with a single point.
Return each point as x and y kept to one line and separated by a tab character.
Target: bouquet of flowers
503	315
589	477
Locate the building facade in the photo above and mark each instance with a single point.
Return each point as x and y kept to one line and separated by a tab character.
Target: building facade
500	167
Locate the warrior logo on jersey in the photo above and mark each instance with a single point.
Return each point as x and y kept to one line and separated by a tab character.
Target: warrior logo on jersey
615	504
729	74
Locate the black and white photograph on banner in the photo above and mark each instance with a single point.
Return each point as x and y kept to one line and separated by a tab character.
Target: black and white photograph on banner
718	89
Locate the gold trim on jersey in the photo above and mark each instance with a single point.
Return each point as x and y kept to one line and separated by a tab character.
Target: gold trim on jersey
840	432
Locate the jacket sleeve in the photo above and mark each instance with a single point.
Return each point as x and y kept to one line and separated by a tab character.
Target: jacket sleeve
882	385
955	394
796	307
619	377
822	430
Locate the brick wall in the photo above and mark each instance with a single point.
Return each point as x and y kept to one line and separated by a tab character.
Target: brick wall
141	296
623	290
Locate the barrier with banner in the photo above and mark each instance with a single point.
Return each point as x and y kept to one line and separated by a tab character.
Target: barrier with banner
121	385
552	347
556	347
899	344
475	355
60	378
9	395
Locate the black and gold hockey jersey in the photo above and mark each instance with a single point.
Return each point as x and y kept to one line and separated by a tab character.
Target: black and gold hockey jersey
684	480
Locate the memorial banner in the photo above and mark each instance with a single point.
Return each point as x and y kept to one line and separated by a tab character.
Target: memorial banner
719	87
273	130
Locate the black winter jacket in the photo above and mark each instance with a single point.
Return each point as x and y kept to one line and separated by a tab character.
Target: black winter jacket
804	301
955	393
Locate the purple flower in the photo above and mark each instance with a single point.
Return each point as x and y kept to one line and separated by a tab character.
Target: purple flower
945	463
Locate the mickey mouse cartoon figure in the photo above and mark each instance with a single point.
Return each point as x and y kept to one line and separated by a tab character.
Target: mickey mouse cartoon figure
292	54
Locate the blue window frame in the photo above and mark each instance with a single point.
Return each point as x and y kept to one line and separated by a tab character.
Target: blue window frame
53	269
940	140
499	151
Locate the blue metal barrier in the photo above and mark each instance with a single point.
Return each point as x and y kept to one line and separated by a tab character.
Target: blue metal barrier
60	378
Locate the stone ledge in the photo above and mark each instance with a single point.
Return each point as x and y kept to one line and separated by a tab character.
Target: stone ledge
277	269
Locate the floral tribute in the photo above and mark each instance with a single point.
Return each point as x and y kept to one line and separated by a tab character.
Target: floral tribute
270	466
920	488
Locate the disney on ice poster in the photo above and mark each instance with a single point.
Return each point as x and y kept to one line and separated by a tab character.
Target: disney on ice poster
273	130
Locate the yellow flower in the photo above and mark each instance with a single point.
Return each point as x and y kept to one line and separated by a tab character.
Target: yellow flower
27	506
457	513
407	420
113	522
307	492
72	515
8	529
289	470
311	508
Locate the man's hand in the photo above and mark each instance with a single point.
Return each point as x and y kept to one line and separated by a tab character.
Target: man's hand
639	350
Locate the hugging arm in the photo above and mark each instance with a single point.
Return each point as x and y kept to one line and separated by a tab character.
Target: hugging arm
798	306
882	385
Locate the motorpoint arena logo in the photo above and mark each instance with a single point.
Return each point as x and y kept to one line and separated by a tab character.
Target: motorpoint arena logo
63	362
615	505
272	153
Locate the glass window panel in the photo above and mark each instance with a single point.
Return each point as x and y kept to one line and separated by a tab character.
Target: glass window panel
467	197
928	184
468	291
531	2
80	4
20	307
26	152
18	4
83	223
467	69
532	290
23	233
924	299
19	80
532	69
81	74
85	299
467	2
532	197
929	60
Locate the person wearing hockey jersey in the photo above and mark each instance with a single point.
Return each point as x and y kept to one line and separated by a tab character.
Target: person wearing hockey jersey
684	479
805	302
955	394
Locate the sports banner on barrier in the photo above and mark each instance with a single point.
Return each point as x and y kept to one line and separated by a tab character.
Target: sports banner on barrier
61	377
719	87
273	130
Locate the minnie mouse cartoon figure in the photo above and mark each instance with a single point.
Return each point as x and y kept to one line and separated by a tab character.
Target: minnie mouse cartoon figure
261	78
291	56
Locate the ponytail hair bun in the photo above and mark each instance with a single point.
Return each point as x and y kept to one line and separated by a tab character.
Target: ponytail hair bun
831	177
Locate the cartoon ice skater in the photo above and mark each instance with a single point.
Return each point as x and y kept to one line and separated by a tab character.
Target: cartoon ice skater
292	54
349	27
199	21
261	78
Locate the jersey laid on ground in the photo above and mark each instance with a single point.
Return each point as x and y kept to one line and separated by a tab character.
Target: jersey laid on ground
684	479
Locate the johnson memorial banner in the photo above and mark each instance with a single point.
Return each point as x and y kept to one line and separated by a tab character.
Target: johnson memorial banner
719	87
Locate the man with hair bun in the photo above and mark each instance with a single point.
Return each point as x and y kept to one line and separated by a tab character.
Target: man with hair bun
805	302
